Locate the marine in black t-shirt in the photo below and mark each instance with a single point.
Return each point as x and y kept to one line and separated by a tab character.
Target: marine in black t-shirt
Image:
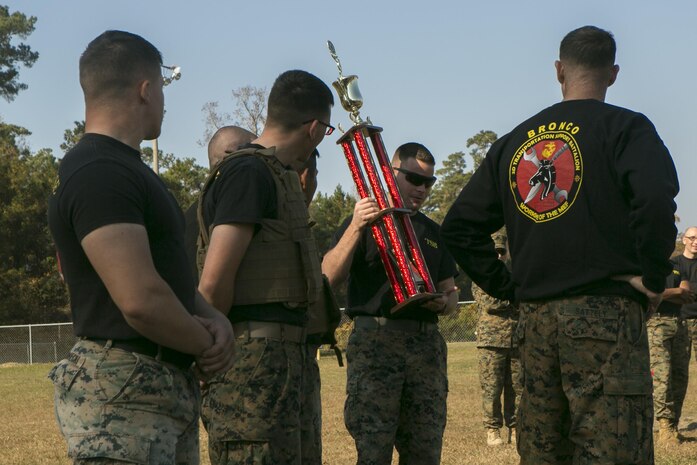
688	272
667	308
245	192
369	292
103	182
191	237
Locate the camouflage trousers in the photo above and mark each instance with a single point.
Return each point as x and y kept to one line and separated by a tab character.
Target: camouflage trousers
118	407
397	387
252	413
499	373
311	409
669	346
586	383
692	331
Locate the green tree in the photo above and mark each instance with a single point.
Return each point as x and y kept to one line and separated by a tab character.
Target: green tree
183	176
452	177
329	211
73	136
480	143
30	287
165	160
11	55
184	179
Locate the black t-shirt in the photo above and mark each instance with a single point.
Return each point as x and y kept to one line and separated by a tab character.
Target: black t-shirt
245	192
367	276
688	272
101	182
672	281
191	237
586	192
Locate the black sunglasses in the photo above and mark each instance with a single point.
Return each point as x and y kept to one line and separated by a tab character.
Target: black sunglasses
329	130
417	179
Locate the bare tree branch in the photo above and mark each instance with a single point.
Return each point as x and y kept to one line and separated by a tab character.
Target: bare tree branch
213	119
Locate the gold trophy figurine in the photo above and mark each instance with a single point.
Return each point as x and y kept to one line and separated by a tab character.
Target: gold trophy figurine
347	88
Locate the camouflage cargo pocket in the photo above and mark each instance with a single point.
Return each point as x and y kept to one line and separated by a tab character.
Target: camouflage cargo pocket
630	395
247	453
65	372
129	449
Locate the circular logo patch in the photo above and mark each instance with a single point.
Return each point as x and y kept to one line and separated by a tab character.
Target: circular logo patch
545	175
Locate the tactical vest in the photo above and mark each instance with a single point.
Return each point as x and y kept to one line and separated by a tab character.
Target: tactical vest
281	264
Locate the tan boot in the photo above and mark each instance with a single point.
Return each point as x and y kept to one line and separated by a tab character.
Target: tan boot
493	437
667	433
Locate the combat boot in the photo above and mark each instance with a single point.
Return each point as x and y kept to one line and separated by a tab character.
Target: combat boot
511	435
493	437
667	433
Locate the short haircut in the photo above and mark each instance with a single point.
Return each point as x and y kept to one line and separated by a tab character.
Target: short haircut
414	150
298	96
589	47
115	61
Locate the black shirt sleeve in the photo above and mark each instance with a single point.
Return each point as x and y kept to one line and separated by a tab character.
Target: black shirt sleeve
648	177
446	267
101	194
244	192
466	231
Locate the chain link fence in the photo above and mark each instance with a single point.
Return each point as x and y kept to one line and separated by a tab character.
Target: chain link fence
35	343
49	343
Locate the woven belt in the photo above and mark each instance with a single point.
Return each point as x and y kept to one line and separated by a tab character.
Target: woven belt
380	323
268	330
148	348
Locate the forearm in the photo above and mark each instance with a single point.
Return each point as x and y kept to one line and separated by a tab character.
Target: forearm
120	254
216	296
229	244
205	310
474	251
163	319
466	232
336	263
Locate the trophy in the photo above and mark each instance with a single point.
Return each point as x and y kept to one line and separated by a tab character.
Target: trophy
392	230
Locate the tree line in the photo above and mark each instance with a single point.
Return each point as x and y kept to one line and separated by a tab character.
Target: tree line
31	290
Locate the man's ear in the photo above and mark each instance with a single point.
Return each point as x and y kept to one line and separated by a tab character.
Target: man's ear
303	178
613	74
145	89
560	71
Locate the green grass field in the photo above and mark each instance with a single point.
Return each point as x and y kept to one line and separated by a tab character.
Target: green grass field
29	435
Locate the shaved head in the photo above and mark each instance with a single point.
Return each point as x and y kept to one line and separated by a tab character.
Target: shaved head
227	139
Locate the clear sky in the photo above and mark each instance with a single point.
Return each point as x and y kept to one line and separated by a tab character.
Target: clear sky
434	72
